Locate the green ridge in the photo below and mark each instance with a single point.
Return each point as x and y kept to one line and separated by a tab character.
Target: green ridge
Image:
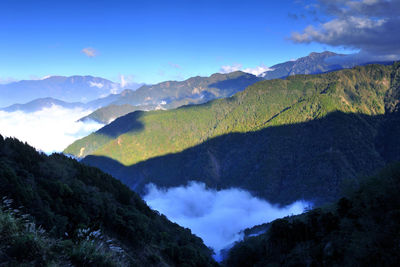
267	103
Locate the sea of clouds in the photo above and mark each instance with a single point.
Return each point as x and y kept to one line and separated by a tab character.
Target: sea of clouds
218	217
50	129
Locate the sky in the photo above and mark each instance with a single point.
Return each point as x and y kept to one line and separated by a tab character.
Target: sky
152	41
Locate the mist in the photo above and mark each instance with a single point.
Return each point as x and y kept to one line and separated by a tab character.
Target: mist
218	217
50	129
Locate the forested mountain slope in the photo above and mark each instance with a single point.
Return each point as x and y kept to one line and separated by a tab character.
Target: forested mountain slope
282	139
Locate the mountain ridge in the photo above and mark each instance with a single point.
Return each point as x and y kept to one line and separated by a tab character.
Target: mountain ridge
173	94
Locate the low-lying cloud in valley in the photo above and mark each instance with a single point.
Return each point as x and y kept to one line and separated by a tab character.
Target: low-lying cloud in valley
218	217
50	129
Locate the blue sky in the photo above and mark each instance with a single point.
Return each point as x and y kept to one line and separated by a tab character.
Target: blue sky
148	41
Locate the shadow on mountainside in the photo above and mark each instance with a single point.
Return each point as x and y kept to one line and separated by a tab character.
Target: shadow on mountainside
128	123
313	160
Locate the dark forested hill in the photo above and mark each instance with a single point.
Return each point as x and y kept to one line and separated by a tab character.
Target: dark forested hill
281	139
361	229
86	217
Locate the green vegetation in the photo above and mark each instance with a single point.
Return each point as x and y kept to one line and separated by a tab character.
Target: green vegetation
268	103
23	243
362	229
87	217
284	140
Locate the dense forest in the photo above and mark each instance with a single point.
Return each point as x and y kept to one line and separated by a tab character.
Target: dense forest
361	229
56	211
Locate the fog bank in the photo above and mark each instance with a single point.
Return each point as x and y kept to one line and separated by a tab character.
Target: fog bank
50	129
217	217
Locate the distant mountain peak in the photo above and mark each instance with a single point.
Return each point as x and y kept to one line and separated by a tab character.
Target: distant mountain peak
322	54
314	63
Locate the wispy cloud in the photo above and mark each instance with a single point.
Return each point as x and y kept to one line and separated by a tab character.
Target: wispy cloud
235	67
89	51
126	80
257	70
94	84
45	77
174	65
213	215
230	68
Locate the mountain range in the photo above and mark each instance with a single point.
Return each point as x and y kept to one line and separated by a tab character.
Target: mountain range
68	89
298	138
197	90
99	93
40	103
173	94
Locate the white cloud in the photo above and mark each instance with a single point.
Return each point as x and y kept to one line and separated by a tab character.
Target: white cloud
50	129
128	81
370	26
218	217
45	77
94	84
257	70
114	90
231	68
89	51
123	81
235	67
174	65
